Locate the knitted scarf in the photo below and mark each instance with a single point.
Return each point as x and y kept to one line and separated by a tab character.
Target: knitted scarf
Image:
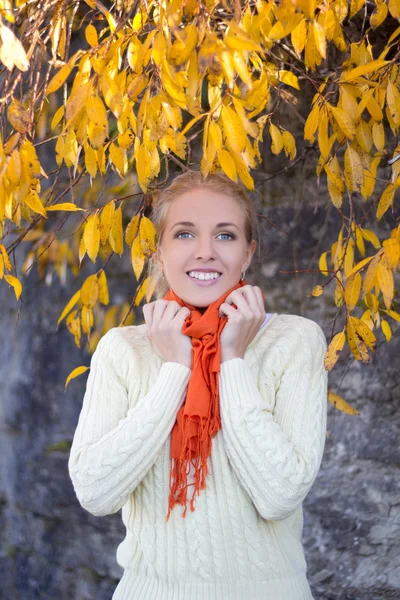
198	419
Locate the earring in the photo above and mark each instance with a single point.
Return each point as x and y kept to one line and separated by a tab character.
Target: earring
242	277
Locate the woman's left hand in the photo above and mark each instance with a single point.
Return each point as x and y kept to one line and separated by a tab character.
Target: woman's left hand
243	322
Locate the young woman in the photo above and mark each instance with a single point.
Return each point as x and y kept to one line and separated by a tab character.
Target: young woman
206	425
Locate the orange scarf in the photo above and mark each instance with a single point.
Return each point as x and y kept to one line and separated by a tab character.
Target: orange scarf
198	420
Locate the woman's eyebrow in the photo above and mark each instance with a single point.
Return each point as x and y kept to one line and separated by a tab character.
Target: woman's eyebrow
189	224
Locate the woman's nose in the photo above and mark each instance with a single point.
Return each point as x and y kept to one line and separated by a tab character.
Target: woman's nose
205	249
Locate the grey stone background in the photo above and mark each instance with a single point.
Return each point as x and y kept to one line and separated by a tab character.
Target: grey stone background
52	548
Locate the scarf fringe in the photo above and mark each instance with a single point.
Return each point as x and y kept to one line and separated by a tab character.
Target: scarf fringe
180	467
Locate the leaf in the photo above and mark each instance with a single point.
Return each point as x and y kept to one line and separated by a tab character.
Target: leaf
137	257
131	230
289	144
322	264
12	52
59	78
116	232
392	251
378	16
141	291
378	135
103	288
34	203
289	78
106	218
370	236
370	67
356	343
227	164
352	290
333	351
91	35
393	102
15	283
18	117
386	283
69	306
276	137
91	161
57	117
317	290
364	136
345	122
320	40
339	403
353	169
359	266
387	332
75	373
385	201
233	129
311	124
91	236
90	291
68	206
298	37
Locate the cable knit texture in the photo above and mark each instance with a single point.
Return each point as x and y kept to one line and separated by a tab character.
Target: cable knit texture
244	537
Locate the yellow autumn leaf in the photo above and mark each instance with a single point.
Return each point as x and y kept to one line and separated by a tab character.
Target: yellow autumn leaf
311	124
34	203
137	257
378	16
289	78
289	144
370	67
103	288
233	129
116	236
131	230
334	349
18	117
106	217
75	373
91	161
141	291
352	290
69	306
387	332
298	37
392	251
227	163
91	35
378	135
276	137
68	206
59	78
90	291
345	122
353	169
339	403
393	102
386	283
15	283
317	290
12	52
91	236
385	201
319	37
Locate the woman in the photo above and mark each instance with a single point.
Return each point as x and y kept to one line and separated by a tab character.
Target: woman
211	404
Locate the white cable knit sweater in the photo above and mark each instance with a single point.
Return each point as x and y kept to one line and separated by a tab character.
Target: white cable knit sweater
244	538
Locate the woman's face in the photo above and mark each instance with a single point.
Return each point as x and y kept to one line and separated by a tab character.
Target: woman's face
204	244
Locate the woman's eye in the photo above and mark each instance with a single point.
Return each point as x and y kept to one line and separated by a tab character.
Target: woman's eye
188	233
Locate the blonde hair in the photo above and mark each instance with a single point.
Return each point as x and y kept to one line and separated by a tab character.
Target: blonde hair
187	182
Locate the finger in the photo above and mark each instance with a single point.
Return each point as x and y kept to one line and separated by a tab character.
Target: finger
260	299
159	309
255	299
226	310
148	314
242	305
245	299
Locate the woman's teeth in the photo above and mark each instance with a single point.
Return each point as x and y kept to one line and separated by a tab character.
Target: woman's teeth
203	276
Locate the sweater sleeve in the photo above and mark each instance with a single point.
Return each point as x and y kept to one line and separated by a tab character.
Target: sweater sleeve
276	454
115	446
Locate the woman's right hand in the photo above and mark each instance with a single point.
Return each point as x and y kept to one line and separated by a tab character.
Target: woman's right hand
164	320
